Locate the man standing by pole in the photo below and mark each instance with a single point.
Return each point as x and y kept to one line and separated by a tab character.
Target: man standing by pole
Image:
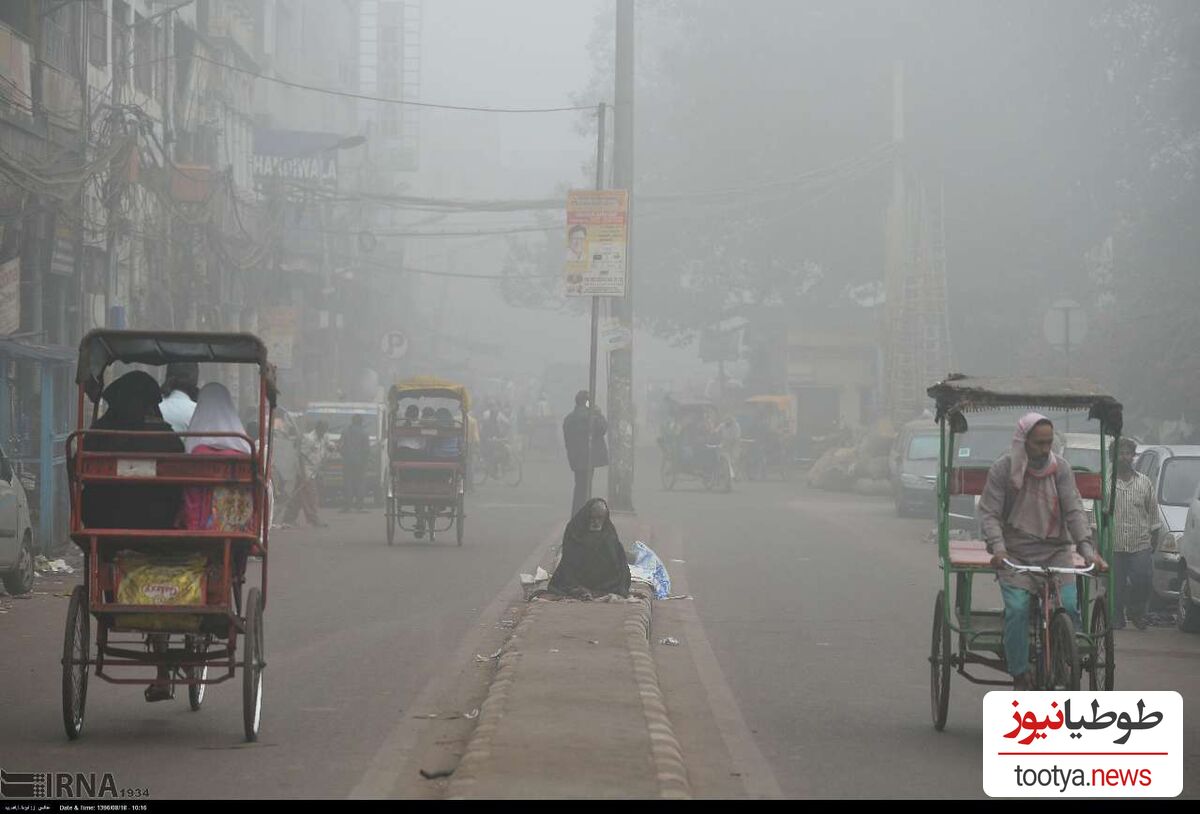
583	434
1135	526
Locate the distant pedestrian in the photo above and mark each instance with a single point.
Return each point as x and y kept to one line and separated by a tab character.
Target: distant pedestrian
576	437
312	449
356	449
1136	525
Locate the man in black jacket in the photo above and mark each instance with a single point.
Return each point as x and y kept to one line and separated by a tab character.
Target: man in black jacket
576	436
356	450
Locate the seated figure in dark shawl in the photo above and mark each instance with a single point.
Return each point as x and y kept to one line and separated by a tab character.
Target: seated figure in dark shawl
133	401
593	560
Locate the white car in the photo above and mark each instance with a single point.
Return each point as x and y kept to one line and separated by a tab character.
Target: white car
16	532
1175	472
1188	614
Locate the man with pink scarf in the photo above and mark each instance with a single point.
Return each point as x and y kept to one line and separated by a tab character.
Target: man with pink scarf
1031	514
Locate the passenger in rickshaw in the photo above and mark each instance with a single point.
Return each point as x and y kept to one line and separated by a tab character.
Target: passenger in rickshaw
1031	512
132	401
449	446
218	508
409	447
692	436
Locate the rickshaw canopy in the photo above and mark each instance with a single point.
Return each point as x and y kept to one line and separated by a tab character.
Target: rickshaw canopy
959	394
100	348
429	386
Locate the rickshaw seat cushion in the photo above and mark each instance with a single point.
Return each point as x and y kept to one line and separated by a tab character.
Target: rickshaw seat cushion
969	554
974	554
968	481
1089	485
973	481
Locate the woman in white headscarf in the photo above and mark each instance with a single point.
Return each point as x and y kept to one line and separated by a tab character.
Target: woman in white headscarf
217	508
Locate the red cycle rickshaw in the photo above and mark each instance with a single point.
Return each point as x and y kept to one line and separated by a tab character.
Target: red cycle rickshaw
170	598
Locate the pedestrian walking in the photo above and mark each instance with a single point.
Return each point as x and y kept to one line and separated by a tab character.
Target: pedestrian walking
584	431
1135	530
312	449
356	449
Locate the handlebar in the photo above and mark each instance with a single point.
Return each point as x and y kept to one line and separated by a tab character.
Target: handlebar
1049	569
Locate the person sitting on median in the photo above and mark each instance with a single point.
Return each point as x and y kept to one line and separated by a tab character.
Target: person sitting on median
593	561
216	508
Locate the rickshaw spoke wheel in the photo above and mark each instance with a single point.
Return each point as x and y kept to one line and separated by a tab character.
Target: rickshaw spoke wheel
1102	666
939	664
515	470
252	665
1064	653
668	474
197	646
76	648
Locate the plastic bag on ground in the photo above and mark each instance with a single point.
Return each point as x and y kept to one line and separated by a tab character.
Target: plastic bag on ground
648	568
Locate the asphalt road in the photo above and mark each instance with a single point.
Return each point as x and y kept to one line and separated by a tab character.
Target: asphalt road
816	606
353	631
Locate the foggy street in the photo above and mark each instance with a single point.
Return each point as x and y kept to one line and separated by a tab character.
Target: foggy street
598	400
816	606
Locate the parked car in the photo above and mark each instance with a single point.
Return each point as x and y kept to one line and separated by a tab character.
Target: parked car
913	467
1188	613
1082	452
1175	473
16	532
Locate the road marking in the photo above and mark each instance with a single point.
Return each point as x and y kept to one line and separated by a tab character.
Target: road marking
748	762
383	773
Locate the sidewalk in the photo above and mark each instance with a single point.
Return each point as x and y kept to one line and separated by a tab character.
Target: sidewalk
575	709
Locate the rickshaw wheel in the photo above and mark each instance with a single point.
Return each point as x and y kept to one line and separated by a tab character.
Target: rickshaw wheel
1102	665
458	521
939	665
1064	652
76	649
479	471
515	470
197	646
252	665
391	521
668	474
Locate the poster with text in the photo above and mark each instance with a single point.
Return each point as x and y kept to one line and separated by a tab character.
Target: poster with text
595	242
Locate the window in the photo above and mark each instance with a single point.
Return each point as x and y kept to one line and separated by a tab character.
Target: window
120	46
1179	479
1087	460
97	33
143	54
924	448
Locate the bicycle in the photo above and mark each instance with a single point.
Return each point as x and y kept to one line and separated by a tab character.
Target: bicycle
499	461
1053	649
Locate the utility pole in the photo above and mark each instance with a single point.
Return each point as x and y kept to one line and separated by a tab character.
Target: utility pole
601	127
621	417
